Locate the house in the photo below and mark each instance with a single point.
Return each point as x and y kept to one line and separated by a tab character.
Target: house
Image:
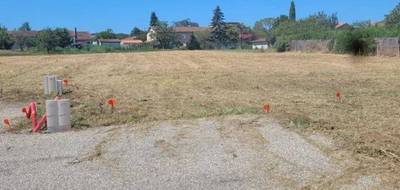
150	35
246	37
184	33
115	43
261	44
80	38
131	41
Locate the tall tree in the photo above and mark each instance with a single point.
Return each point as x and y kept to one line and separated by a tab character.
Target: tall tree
153	19
164	36
281	19
292	12
63	38
393	19
46	39
264	24
232	36
139	34
218	28
49	39
25	27
262	29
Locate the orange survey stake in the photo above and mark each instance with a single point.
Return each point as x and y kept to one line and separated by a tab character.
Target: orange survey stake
112	102
267	108
338	95
7	122
66	82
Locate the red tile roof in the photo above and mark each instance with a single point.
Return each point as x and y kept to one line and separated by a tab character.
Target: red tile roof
341	25
131	40
82	36
246	36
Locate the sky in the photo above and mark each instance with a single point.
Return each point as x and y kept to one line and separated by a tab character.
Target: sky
123	15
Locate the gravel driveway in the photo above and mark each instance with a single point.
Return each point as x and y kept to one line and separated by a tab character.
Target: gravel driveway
238	152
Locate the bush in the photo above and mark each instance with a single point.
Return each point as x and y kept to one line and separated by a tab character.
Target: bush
281	45
357	42
6	40
193	44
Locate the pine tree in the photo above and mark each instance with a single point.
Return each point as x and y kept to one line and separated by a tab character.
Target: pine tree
218	28
193	43
153	19
292	12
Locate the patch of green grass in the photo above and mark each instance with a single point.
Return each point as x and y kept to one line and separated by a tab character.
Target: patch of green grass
238	111
300	121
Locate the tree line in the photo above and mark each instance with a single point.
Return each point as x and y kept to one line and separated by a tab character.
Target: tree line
277	32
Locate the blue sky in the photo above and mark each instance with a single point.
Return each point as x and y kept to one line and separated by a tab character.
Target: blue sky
123	15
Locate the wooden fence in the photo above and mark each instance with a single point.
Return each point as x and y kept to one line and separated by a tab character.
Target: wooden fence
387	47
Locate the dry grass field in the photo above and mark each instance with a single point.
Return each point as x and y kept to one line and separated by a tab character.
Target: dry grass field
301	89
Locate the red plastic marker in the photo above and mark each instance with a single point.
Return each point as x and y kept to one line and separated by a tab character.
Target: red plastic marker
39	125
66	82
267	108
7	123
338	95
112	102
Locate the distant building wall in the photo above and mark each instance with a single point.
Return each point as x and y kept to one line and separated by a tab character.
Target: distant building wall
310	45
260	46
387	47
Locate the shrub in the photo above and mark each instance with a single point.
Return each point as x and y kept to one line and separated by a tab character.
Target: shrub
281	45
6	40
193	44
357	42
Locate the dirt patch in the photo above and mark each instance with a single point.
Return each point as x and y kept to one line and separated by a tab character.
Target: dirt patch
301	89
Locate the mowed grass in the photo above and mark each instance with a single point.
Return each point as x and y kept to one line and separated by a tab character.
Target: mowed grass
300	88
